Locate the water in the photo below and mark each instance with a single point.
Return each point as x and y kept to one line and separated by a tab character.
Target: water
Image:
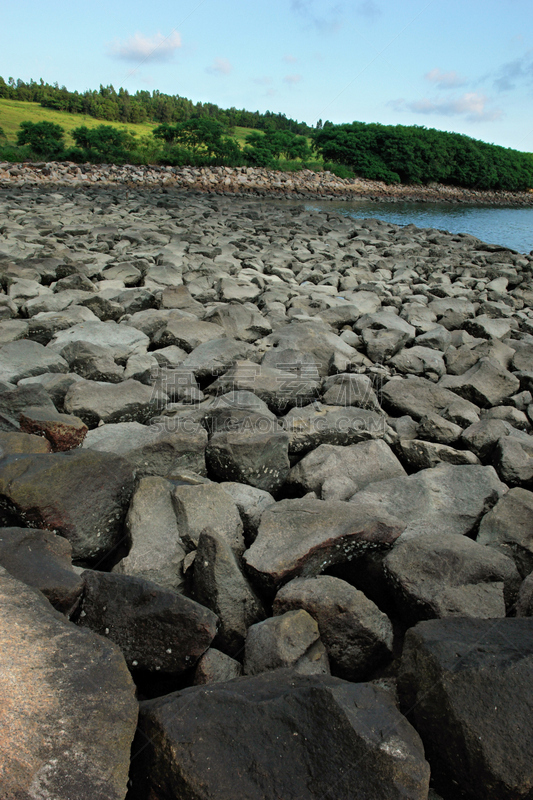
510	226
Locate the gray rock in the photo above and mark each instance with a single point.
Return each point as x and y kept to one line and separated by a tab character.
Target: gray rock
336	473
162	449
509	527
524	603
419	360
92	362
449	576
251	502
488	328
240	321
346	389
24	358
305	537
435	428
220	585
43	326
215	357
450	498
419	397
356	634
207	506
314	425
121	340
259	459
418	454
56	679
216	667
156	551
187	333
55	384
513	458
291	640
129	401
314	338
486	383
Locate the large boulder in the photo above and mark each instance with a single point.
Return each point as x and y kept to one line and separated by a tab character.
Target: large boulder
24	358
207	506
508	526
356	634
315	338
419	397
80	495
68	704
121	341
450	498
486	384
466	686
307	736
156	629
259	459
449	575
129	401
304	537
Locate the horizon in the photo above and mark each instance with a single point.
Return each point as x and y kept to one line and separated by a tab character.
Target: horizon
466	68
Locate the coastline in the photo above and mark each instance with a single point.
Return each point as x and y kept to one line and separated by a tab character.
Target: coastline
249	181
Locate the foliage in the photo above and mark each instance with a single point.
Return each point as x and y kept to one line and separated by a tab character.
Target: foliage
414	154
104	143
44	138
198	142
121	106
2	134
264	149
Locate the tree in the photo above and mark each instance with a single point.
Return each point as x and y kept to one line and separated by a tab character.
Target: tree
104	143
44	138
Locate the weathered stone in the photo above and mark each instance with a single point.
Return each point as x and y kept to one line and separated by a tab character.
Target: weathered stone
156	629
259	459
419	397
81	495
291	640
304	537
356	634
435	428
14	443
203	506
251	502
509	527
314	425
524	603
324	723
465	684
314	338
449	576
92	362
63	431
68	704
240	321
187	334
121	340
129	401
418	454
348	389
486	383
25	358
216	667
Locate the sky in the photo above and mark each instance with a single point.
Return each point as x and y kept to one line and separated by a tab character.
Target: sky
455	65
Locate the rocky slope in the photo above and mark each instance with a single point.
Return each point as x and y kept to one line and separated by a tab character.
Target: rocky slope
271	470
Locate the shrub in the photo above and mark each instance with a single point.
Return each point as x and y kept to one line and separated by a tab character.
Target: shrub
44	138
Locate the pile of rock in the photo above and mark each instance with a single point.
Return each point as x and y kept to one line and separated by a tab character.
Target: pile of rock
243	181
269	472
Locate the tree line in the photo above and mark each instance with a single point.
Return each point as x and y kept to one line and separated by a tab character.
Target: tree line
142	106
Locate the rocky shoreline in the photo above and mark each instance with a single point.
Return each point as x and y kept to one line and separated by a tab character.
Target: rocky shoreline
266	501
246	181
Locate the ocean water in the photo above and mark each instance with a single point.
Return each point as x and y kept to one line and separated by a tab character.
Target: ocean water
510	226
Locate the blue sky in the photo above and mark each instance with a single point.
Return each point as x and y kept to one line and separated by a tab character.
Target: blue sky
461	65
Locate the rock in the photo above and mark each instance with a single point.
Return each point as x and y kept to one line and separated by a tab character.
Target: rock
60	739
121	341
216	667
513	457
524	603
13	443
356	634
251	503
156	629
419	397
43	326
259	459
276	387
215	357
92	362
488	328
187	334
164	449
80	495
55	385
347	389
336	473
465	685
220	585
481	437
129	401
156	550
207	506
25	358
418	454
304	715
240	321
43	560
304	537
314	425
509	528
435	428
449	576
486	383
314	338
450	498
63	431
419	360
291	640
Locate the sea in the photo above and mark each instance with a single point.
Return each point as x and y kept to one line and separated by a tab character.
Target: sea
509	226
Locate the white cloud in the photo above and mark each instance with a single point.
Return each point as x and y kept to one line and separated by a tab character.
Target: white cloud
471	105
290	59
292	80
513	72
140	47
220	66
445	80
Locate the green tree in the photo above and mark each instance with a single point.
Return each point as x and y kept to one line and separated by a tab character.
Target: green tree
104	143
44	138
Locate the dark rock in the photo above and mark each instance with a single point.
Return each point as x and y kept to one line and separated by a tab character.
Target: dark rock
43	560
14	443
216	667
187	334
524	603
348	389
435	428
259	459
156	629
63	431
62	740
80	495
356	634
327	740
220	585
314	425
417	454
291	640
92	362
466	686
129	401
